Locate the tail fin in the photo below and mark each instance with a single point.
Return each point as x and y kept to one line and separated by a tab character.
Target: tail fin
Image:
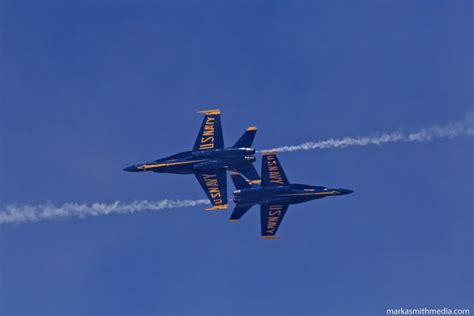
239	181
246	139
238	212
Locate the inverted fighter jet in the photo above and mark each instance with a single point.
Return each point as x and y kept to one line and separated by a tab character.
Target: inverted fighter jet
274	194
209	160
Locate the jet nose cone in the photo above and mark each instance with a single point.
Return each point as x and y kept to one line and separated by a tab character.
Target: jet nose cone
344	191
131	169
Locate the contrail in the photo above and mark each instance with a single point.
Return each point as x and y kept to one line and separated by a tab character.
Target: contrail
452	130
35	213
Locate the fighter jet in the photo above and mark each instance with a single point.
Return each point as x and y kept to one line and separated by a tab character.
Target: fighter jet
274	194
209	160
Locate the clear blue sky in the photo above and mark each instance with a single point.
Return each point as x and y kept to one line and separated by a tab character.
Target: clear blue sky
90	87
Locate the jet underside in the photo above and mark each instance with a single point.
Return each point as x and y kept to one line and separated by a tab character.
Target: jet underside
209	160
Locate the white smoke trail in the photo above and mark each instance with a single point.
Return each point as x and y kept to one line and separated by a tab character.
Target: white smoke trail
464	128
34	213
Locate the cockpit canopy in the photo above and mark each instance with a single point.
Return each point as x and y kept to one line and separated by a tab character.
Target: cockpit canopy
173	157
308	187
319	188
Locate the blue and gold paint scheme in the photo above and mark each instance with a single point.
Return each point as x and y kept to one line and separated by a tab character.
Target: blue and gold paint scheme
210	135
274	193
209	159
214	184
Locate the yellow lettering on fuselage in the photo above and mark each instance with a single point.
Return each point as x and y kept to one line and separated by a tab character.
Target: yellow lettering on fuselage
274	173
207	141
212	185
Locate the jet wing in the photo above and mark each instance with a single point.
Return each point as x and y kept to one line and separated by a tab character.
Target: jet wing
214	184
210	134
248	170
272	172
271	216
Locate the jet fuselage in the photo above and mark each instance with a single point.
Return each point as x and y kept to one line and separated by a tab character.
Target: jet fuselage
198	161
287	194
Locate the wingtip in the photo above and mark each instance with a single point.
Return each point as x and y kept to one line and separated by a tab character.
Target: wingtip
268	237
210	112
218	207
255	181
233	220
251	128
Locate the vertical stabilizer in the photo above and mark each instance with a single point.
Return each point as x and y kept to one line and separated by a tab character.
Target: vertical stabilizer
239	181
246	140
238	212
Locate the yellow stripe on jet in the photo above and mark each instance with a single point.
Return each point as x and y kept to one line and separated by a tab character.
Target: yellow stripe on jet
218	207
313	193
211	112
156	165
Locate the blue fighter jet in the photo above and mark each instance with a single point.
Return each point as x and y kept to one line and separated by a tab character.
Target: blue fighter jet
274	194
209	160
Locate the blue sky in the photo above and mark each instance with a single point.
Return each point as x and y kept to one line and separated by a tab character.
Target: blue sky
90	87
